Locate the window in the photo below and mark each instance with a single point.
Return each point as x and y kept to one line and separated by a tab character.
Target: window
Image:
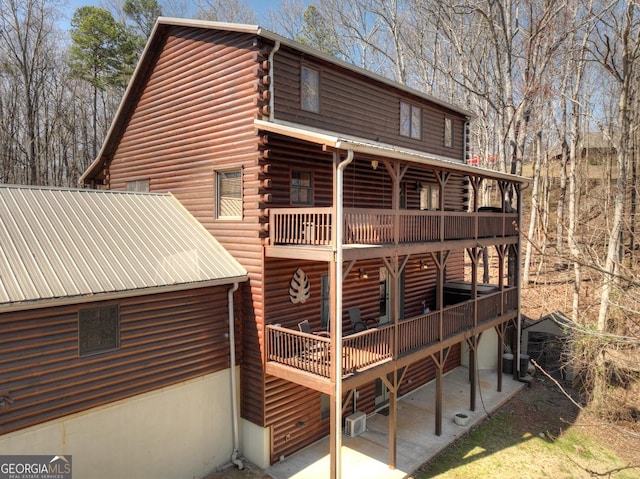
301	187
138	186
325	301
448	132
429	196
229	194
310	89
98	330
410	120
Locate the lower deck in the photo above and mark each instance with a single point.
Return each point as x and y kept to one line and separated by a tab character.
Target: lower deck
367	454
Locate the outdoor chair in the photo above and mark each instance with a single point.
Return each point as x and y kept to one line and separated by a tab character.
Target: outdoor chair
305	327
358	324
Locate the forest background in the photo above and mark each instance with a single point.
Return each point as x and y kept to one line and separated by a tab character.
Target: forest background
553	84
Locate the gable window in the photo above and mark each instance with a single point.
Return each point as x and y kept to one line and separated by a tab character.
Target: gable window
138	186
301	187
410	120
448	132
98	330
229	194
429	196
310	89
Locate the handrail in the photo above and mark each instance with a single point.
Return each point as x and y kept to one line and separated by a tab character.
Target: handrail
312	226
311	353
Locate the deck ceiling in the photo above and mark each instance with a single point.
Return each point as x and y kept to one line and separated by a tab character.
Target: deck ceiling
339	141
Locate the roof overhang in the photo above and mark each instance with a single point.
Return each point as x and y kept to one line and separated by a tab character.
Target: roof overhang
116	295
337	141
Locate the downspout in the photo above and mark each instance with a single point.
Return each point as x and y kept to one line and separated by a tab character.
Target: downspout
516	359
465	142
234	399
272	54
338	326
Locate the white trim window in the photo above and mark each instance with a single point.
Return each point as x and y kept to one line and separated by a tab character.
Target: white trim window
309	89
410	120
448	132
228	186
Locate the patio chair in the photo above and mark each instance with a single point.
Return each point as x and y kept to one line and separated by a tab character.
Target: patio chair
358	324
305	327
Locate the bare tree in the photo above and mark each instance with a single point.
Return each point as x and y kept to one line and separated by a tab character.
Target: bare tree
26	50
235	11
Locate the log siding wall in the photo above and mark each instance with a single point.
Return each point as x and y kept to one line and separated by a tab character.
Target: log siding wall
165	339
352	105
194	116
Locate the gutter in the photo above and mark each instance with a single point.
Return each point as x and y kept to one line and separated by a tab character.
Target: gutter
234	399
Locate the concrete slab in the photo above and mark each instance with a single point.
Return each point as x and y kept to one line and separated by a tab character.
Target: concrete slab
368	454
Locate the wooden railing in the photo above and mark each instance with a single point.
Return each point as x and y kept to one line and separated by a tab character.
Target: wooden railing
313	226
311	353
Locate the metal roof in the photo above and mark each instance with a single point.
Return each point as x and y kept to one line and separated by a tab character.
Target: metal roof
72	243
362	145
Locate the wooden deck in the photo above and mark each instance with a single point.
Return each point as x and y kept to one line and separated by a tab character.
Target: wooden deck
313	226
307	360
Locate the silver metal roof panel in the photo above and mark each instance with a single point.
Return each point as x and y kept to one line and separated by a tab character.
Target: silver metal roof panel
69	243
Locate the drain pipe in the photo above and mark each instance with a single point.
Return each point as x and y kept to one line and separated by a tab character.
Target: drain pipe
234	399
272	54
338	326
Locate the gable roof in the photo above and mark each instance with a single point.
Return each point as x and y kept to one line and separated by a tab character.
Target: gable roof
162	26
79	245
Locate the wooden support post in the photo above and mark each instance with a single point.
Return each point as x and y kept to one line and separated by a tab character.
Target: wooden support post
439	359
393	421
500	330
472	342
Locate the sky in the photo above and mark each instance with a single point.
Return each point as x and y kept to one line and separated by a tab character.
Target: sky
260	6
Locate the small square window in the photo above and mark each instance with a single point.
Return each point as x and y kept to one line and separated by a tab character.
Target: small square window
410	120
229	194
310	89
98	330
448	132
301	188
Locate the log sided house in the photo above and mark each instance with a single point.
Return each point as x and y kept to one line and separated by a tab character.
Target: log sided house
115	344
348	199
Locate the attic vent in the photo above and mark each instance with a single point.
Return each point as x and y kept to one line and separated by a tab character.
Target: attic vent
356	424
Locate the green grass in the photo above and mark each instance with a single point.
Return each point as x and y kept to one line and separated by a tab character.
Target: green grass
501	448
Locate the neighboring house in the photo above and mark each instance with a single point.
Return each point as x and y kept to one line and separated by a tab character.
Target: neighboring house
343	194
596	147
115	341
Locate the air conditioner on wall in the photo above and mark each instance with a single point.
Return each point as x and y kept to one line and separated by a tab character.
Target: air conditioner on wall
355	424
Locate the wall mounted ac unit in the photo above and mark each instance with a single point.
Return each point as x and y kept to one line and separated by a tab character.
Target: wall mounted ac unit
355	424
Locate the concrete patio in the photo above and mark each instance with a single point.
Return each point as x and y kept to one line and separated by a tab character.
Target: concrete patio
367	455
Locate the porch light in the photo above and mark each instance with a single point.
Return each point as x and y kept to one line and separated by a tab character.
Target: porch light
423	264
362	274
374	164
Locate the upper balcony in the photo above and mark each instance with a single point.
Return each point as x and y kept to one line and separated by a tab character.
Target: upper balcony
305	232
306	358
